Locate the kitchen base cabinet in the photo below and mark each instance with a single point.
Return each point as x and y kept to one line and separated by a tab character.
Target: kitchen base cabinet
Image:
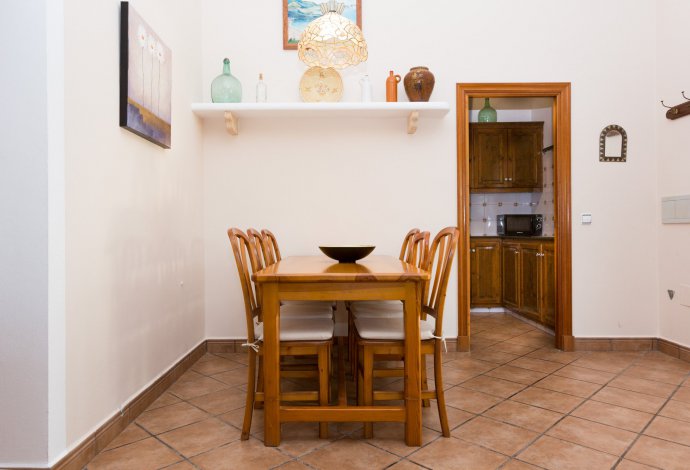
526	276
510	273
485	272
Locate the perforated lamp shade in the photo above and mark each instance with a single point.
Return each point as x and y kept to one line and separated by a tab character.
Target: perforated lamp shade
332	40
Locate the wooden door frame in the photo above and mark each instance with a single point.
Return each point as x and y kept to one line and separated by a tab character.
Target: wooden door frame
560	92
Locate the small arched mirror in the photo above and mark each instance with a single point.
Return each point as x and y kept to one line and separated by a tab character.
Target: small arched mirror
613	144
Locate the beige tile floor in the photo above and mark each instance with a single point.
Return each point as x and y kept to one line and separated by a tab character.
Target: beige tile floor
514	402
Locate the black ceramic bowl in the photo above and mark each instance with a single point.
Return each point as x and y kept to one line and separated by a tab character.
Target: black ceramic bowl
347	254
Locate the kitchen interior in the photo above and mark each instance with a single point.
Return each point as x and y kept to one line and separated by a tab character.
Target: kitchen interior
512	216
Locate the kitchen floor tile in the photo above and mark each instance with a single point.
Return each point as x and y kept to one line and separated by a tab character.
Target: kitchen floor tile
537	365
659	375
200	437
683	394
556	454
391	438
542	398
588	375
659	453
613	415
170	417
131	433
677	410
670	430
526	416
147	453
221	401
215	366
196	387
555	355
649	387
452	454
493	386
251	454
628	399
349	453
500	437
517	374
593	435
579	388
469	400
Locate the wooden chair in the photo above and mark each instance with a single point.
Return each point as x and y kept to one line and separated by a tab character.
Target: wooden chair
271	255
414	250
298	337
383	337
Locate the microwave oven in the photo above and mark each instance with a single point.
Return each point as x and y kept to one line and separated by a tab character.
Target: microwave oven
522	225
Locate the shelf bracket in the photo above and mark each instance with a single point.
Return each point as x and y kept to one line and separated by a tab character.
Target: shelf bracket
231	123
412	121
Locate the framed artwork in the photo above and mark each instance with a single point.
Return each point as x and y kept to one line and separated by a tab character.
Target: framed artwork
145	79
297	14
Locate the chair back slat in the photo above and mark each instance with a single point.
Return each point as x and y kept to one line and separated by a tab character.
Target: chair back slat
270	247
406	243
257	241
439	263
418	250
247	263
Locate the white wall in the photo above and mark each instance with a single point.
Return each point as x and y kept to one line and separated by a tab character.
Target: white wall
350	180
134	289
673	140
24	238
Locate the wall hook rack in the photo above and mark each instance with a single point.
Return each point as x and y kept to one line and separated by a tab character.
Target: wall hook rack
678	111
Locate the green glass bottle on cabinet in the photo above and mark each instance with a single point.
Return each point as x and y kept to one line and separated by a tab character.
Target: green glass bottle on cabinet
225	88
487	113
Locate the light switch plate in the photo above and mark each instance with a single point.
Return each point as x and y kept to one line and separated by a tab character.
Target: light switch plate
684	295
675	209
586	218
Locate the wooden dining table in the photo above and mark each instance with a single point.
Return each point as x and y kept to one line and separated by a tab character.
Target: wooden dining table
321	278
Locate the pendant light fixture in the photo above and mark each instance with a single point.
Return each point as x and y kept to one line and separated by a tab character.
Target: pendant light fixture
330	42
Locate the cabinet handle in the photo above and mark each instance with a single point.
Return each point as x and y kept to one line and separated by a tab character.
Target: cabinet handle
510	179
473	250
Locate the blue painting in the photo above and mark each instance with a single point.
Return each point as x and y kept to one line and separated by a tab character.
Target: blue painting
145	79
297	14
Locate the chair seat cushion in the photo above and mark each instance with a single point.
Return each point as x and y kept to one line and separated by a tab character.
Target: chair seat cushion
391	328
301	329
317	310
374	309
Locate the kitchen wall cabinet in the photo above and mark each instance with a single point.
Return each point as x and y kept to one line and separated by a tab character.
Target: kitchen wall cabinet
524	282
506	156
485	272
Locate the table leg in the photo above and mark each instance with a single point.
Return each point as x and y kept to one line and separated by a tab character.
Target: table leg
413	380
271	312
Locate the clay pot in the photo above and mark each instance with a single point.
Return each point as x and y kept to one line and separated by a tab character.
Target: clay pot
419	83
392	87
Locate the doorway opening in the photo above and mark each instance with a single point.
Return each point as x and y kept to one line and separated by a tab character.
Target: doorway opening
490	172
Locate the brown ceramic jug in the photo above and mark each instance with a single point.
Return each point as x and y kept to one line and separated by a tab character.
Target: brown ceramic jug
392	87
419	83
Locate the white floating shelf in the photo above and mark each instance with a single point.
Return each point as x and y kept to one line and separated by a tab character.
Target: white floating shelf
232	112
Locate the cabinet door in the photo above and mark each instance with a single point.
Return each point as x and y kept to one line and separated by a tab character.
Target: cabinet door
548	285
530	258
524	160
485	268
488	151
511	275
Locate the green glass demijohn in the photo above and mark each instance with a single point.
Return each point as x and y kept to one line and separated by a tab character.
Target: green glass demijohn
487	113
225	88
